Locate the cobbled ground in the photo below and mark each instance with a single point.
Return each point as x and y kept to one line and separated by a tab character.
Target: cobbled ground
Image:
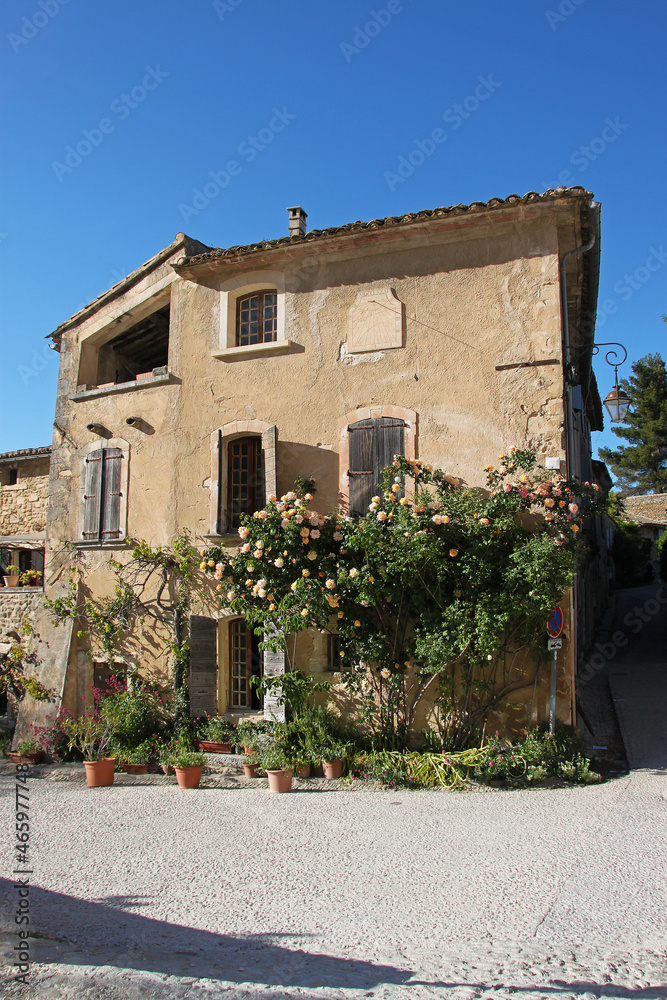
144	890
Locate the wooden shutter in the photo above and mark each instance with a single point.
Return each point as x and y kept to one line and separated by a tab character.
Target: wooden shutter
269	451
92	494
389	441
111	493
373	445
203	666
362	466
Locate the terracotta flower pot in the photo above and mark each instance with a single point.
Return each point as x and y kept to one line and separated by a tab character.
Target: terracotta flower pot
212	746
135	768
26	758
99	773
250	770
332	768
12	581
248	749
303	771
188	777
280	781
167	768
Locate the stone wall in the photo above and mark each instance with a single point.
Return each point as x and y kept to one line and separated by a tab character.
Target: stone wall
23	506
17	604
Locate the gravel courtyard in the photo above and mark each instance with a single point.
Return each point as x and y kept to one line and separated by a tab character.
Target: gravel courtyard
152	891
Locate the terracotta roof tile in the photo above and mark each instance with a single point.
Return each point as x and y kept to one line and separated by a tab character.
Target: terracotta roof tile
651	508
25	453
390	221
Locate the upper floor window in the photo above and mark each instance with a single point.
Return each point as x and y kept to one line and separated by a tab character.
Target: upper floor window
13	477
102	495
257	318
130	355
245	479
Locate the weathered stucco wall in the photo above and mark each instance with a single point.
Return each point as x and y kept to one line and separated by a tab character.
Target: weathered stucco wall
23	506
476	296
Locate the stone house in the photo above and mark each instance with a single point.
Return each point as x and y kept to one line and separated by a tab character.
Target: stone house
24	495
210	378
649	511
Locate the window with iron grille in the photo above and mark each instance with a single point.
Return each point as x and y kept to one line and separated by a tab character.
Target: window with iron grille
257	318
373	445
245	479
102	495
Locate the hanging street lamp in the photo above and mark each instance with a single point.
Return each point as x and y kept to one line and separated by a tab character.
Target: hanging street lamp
617	402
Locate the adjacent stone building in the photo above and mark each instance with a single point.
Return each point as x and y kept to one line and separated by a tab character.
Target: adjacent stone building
210	378
650	513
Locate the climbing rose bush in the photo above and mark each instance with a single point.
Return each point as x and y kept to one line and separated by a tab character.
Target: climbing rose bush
438	588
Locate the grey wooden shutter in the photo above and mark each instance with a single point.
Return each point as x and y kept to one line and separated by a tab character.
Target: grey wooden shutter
269	452
92	495
362	466
373	445
389	441
111	493
203	666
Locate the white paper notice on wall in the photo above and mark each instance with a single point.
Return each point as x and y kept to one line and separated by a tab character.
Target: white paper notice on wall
274	665
375	322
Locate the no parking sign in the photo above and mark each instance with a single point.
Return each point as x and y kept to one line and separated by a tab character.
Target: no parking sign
555	623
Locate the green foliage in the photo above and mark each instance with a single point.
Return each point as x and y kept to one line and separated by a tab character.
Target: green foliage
187	758
89	735
641	465
631	553
141	754
217	729
132	715
13	676
438	587
294	688
538	756
274	757
30	745
662	549
249	731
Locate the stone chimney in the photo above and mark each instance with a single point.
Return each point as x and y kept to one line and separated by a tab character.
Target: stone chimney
297	221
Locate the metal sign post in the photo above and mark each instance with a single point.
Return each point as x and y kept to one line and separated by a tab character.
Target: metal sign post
554	629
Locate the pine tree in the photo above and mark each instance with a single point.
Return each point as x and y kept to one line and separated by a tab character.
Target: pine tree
641	465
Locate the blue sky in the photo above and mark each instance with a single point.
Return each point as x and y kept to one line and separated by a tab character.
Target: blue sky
315	101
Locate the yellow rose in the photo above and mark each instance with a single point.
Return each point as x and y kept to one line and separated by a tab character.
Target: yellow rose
453	553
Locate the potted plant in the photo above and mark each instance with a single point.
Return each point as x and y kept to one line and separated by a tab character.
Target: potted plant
135	761
31	578
250	732
27	752
332	753
90	735
166	756
217	735
13	573
250	765
188	766
302	765
278	767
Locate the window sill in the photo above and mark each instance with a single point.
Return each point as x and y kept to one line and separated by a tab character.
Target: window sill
229	538
21	590
115	543
112	390
258	350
